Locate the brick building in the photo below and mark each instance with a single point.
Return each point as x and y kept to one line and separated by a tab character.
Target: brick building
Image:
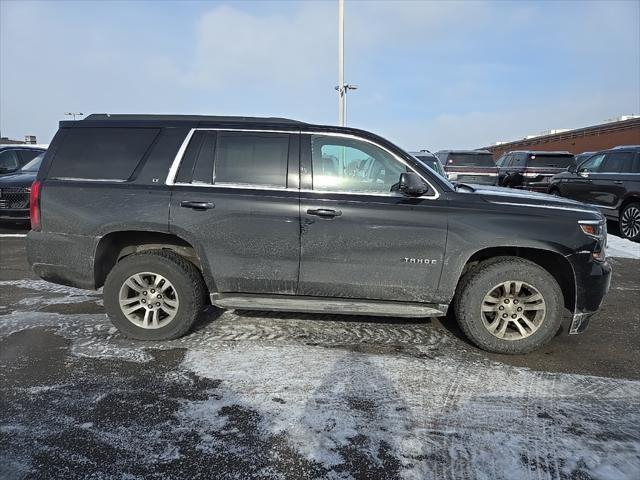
588	139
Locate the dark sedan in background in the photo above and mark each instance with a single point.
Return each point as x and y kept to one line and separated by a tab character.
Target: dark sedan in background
532	170
15	189
609	180
469	166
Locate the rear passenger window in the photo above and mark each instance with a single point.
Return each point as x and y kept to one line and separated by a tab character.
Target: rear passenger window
617	162
101	153
247	158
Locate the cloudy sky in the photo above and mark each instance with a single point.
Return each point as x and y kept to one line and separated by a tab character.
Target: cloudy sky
431	74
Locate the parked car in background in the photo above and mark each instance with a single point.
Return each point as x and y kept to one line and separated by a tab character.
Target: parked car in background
15	189
14	157
469	166
431	161
609	180
170	212
531	170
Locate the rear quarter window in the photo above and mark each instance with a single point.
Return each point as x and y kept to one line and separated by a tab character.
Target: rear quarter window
101	153
471	160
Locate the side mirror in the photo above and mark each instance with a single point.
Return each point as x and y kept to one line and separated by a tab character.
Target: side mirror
584	173
572	169
411	184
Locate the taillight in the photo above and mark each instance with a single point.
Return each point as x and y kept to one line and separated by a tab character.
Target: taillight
34	205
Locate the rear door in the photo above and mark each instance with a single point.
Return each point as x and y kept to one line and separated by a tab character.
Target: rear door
359	238
235	198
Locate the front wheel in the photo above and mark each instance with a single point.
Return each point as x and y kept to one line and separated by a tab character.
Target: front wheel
630	222
509	305
155	295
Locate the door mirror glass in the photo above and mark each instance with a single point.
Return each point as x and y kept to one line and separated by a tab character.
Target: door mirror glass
411	184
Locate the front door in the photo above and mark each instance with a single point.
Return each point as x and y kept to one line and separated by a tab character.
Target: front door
608	183
360	239
580	186
234	201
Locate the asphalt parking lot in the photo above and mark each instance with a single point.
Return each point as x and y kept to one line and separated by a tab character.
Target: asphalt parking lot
266	395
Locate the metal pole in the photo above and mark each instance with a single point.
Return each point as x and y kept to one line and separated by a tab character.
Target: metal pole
341	89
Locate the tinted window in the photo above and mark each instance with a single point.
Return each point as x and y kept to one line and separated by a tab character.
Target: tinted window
101	153
557	161
8	161
470	159
33	165
251	159
617	162
197	162
28	155
344	164
593	164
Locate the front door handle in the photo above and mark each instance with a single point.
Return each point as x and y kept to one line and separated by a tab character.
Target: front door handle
324	212
197	205
618	182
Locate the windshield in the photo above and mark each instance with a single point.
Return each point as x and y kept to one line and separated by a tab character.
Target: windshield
436	169
557	161
471	159
33	165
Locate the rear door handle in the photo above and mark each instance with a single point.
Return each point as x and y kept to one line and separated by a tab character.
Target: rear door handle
324	212
197	205
618	182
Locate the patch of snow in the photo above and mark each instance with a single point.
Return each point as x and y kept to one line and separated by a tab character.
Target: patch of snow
443	418
622	248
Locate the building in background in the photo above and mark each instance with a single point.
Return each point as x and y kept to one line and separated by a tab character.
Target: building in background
28	140
620	131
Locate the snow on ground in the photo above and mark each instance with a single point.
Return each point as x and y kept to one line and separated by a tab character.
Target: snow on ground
622	248
431	409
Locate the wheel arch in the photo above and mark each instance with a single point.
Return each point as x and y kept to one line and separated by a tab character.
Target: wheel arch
116	245
553	262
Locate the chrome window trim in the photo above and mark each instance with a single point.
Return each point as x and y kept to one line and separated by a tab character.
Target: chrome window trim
173	170
76	179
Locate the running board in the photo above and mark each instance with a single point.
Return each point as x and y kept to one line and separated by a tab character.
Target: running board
293	303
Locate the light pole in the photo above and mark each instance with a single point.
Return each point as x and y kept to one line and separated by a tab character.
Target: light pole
74	114
342	87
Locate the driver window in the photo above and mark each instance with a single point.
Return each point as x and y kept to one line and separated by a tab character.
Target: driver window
592	165
348	165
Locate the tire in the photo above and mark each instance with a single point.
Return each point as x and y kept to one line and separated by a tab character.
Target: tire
474	291
555	192
506	183
629	221
182	286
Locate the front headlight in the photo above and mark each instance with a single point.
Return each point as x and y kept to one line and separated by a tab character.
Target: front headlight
596	229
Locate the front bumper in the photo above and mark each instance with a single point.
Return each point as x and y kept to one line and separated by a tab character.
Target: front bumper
592	282
14	214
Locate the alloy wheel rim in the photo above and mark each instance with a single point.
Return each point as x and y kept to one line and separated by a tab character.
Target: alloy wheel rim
630	222
148	300
513	310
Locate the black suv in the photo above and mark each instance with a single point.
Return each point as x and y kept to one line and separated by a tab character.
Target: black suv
531	170
15	189
14	157
469	166
609	180
170	212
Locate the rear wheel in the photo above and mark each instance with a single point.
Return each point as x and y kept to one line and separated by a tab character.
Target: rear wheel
156	295
509	305
556	192
630	221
